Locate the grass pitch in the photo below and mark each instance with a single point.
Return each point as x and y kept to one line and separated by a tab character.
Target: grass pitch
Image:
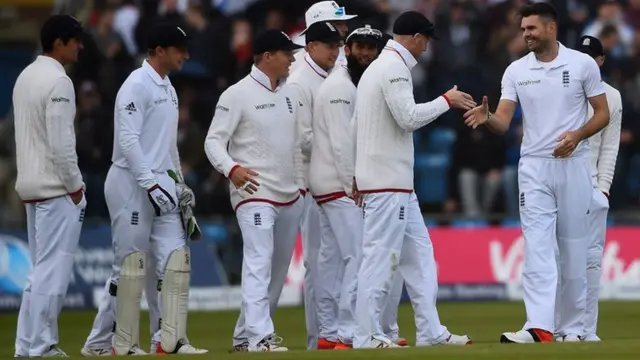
484	322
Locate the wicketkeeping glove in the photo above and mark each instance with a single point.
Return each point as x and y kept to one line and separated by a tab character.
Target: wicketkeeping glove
161	200
189	222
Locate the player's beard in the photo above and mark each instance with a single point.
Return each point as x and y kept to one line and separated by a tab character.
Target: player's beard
355	69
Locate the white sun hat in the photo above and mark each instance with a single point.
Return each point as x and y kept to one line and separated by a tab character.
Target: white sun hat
325	11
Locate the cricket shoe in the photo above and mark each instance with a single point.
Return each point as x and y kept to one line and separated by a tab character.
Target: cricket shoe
55	351
528	336
134	351
86	352
456	340
243	347
182	348
342	346
590	338
324	344
270	343
382	344
568	338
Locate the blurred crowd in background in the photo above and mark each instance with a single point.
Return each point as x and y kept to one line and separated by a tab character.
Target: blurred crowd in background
470	173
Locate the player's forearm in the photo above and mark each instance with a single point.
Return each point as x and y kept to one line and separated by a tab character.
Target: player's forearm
498	124
218	156
62	145
132	152
598	122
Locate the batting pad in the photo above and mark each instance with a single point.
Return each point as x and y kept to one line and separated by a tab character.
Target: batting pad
175	299
129	293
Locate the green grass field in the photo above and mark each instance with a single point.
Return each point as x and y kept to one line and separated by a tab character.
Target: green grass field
484	322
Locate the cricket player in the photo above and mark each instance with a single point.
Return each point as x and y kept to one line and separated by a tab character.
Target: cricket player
100	339
49	182
254	141
144	201
395	237
603	152
323	11
553	85
330	182
323	43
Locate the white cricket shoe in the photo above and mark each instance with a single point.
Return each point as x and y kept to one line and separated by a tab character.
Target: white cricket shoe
55	351
183	348
568	338
135	351
382	344
591	338
528	336
270	343
95	352
456	340
242	347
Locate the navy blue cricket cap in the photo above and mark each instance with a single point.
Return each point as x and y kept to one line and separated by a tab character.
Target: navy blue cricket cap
322	31
413	22
167	35
62	26
272	41
590	46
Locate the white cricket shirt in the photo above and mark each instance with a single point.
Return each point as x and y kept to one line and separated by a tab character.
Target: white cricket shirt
386	116
604	146
305	82
146	126
44	103
255	127
554	98
332	156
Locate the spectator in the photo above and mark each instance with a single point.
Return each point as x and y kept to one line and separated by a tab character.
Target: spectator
610	13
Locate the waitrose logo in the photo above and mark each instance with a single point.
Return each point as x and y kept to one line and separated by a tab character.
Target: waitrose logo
529	82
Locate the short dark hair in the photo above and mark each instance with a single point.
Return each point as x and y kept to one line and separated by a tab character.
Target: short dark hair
542	9
608	30
47	41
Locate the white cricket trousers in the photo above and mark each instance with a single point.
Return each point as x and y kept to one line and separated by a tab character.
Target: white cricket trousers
135	226
310	229
53	230
597	234
269	235
396	238
338	264
101	335
555	196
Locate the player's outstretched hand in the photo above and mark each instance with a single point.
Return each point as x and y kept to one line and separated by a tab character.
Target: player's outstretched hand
567	144
478	115
243	179
162	202
459	99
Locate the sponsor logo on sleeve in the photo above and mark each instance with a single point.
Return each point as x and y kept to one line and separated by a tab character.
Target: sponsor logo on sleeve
340	101
222	108
398	79
131	108
60	99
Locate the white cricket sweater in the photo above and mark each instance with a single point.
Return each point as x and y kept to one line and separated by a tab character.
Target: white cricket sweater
146	126
255	127
305	82
603	146
332	156
44	103
386	116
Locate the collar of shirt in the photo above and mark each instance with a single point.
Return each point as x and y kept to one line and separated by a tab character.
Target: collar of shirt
560	60
51	61
404	54
154	74
318	70
262	79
